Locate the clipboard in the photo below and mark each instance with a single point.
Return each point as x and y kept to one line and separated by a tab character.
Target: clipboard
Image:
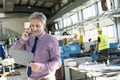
21	57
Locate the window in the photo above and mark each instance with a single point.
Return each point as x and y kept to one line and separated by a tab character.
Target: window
89	12
60	24
80	15
56	26
115	4
100	8
67	22
107	5
109	31
87	36
74	18
91	34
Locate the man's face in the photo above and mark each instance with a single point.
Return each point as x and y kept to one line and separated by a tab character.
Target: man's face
37	26
99	32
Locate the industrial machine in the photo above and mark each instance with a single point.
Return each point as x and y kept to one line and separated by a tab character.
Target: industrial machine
70	51
114	54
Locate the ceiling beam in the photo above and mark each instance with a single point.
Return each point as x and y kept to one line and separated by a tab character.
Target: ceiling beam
1	10
35	2
52	1
14	15
1	6
66	9
8	5
20	1
28	2
42	4
26	9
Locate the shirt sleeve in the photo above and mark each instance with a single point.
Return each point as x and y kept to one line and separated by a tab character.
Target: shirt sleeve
19	44
55	62
98	39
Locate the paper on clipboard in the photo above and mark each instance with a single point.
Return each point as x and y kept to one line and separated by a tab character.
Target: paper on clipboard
21	57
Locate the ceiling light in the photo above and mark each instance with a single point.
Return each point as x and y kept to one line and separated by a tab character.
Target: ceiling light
29	7
2	15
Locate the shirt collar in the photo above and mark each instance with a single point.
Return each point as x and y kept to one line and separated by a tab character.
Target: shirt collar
41	35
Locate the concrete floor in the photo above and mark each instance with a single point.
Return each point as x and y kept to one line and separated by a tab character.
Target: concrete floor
22	75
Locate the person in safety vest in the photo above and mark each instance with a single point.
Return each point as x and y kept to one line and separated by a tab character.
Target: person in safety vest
102	45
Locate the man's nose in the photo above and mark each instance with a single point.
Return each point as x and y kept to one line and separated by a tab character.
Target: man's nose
35	28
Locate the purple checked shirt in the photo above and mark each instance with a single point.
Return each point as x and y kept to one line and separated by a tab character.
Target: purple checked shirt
47	54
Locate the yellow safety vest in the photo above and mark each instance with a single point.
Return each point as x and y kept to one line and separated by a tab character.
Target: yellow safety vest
103	42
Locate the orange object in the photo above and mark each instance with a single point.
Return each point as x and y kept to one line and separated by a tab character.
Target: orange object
65	40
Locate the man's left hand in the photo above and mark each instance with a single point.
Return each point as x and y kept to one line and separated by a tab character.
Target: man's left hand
35	66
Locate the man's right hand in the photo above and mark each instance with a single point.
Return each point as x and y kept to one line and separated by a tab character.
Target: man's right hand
94	52
26	34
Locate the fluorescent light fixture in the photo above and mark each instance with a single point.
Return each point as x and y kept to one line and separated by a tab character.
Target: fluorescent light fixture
2	15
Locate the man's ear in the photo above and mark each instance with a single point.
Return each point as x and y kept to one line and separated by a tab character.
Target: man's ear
44	25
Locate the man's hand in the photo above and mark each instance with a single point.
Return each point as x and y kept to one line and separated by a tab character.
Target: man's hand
35	66
26	34
94	52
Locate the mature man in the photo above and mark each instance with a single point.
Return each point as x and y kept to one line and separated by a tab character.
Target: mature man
44	47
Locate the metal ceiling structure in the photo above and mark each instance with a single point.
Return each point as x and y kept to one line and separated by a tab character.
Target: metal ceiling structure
49	7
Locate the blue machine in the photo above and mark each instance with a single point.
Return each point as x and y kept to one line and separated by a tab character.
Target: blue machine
75	49
113	51
114	45
67	50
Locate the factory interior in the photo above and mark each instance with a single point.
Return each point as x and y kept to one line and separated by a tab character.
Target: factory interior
76	25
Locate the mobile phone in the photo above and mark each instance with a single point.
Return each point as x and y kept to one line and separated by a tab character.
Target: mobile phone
29	31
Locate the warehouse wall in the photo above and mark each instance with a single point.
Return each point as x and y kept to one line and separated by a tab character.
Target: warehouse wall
15	24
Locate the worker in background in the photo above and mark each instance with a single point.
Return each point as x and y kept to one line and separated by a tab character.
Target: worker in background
102	45
47	55
76	38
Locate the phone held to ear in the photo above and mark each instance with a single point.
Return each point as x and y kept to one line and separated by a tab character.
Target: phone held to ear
28	30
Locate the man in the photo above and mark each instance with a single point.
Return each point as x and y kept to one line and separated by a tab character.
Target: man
102	45
47	55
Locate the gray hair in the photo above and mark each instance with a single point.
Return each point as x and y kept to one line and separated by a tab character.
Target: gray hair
38	15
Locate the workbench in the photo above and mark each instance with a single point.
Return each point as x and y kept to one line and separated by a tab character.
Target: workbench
77	74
